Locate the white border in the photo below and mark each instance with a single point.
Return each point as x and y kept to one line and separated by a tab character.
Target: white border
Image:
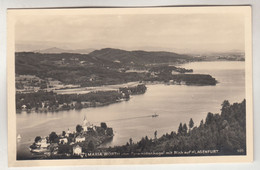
28	3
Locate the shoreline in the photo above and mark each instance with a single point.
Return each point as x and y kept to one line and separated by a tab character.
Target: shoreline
122	93
61	102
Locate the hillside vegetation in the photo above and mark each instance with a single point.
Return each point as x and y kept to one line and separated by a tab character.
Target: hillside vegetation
100	67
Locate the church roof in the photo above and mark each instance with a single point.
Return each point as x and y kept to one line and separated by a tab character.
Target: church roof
86	122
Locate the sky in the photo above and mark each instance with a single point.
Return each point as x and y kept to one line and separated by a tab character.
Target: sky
184	33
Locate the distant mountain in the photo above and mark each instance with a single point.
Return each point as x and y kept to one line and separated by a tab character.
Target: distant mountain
138	57
55	50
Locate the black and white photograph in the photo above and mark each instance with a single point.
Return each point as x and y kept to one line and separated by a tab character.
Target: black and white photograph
104	84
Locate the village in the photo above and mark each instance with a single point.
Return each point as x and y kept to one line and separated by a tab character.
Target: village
78	143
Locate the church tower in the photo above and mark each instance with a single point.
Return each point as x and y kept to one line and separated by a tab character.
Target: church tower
86	124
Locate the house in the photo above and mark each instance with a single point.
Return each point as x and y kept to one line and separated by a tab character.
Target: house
116	61
77	150
182	83
68	133
63	141
80	139
43	143
24	106
92	77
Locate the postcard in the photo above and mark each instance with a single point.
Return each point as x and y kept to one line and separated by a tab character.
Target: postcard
106	86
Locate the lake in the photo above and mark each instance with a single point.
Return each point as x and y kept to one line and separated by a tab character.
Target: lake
133	118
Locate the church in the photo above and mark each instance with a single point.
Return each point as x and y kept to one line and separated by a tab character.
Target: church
86	124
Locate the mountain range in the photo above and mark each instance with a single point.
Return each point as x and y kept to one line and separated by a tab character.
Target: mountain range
56	50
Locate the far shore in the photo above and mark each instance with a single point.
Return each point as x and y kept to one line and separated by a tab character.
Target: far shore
85	90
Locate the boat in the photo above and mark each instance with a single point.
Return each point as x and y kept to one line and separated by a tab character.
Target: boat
19	136
155	115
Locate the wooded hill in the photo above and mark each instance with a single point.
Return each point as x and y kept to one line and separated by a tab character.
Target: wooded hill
139	57
105	66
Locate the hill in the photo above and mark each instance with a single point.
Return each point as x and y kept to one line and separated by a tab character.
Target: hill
139	57
100	67
55	50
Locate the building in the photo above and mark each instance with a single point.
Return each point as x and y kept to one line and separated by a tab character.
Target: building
80	139
43	143
77	150
68	133
63	141
24	106
86	124
116	61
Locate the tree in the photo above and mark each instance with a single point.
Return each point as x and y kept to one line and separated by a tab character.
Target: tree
109	131
180	128
201	123
225	109
79	128
37	139
209	118
155	134
191	123
167	147
184	128
103	125
225	105
64	149
53	137
131	141
63	133
78	105
91	146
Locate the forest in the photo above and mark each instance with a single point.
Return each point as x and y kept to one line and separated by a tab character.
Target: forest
51	101
101	67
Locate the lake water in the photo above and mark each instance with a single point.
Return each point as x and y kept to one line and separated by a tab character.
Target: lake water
173	104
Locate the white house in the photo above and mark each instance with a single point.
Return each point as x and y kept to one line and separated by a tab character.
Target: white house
63	141
43	143
68	133
24	106
116	61
77	150
80	139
